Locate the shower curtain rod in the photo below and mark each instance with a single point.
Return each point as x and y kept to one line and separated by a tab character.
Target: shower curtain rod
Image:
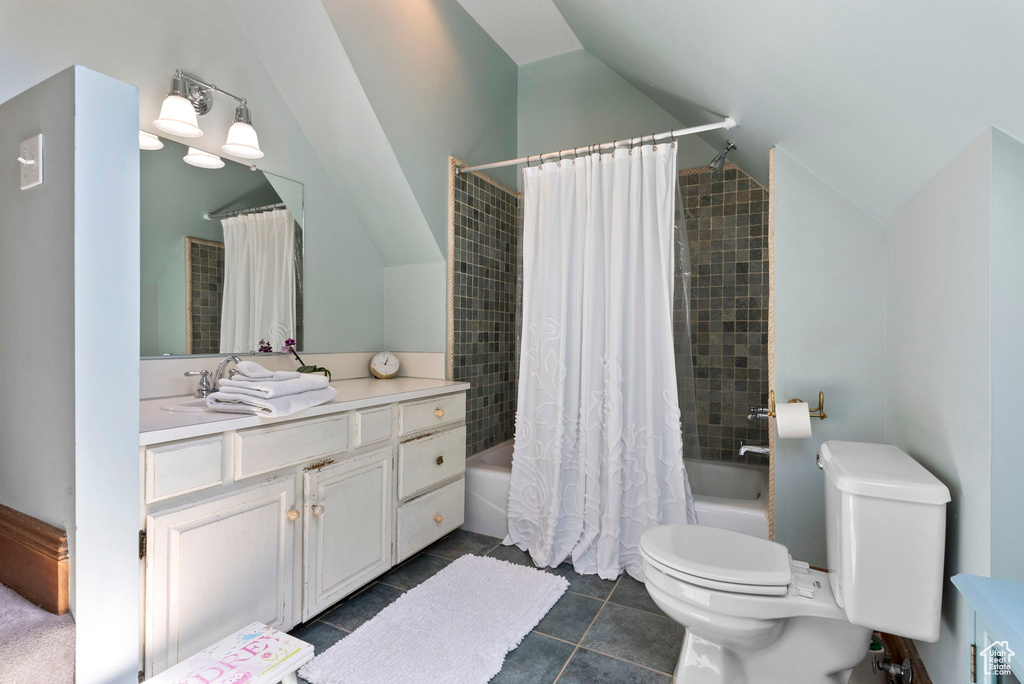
726	123
250	210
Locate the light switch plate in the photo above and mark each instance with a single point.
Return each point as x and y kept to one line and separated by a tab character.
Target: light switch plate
32	162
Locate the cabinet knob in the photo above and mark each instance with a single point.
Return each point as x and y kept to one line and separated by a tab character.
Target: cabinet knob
440	459
293	514
318	509
439	413
439	518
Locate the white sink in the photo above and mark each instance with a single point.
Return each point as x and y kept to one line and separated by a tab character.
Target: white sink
186	406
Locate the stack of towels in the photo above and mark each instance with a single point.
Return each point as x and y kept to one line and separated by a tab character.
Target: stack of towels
256	390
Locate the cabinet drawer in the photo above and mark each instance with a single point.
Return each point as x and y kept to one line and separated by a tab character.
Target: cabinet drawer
182	467
262	450
421	415
373	425
425	461
430	517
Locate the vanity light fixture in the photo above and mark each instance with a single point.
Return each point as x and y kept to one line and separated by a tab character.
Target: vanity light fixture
189	98
203	160
148	141
242	141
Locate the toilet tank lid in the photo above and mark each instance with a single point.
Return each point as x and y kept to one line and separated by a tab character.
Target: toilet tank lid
880	470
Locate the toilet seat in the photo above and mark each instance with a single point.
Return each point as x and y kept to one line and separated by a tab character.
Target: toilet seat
721	559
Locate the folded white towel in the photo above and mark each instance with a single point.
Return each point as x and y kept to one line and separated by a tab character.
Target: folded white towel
268	389
231	402
252	371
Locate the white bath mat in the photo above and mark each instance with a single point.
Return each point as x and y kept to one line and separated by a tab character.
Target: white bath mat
454	628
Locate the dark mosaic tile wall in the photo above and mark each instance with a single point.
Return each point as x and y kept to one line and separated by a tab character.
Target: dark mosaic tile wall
207	295
727	227
484	307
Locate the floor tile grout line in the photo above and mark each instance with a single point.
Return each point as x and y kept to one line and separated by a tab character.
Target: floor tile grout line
640	610
623	660
587	631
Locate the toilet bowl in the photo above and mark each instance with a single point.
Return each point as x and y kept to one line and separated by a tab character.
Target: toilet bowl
753	615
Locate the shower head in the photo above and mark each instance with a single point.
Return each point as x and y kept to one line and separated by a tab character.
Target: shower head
718	163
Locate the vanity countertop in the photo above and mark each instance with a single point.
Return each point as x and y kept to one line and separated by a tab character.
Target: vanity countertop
157	425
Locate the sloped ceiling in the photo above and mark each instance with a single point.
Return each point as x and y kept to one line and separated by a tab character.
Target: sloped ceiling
874	97
438	85
303	54
528	30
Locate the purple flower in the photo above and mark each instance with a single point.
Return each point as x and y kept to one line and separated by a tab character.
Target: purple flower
265	347
290	342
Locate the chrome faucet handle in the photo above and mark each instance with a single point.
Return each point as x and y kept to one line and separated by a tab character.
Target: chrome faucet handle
205	387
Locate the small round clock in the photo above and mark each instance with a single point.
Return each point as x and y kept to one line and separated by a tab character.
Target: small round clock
384	365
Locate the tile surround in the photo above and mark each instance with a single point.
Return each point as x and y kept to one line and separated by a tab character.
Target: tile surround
484	223
727	231
205	270
727	228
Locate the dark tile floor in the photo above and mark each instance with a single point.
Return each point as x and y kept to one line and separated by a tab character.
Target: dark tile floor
599	632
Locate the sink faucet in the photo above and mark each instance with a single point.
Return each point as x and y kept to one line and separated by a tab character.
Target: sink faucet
204	388
219	375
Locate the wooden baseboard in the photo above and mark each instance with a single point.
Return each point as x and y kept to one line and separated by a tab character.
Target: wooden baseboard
34	559
901	648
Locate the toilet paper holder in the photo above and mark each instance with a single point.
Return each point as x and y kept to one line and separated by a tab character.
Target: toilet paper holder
762	412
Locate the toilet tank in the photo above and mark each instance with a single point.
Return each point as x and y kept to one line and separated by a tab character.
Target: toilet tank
885	519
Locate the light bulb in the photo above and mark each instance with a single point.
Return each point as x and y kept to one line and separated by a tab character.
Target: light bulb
178	117
203	160
148	141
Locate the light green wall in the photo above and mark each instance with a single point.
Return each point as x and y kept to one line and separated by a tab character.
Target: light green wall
829	336
439	86
69	298
1006	245
939	373
575	100
170	306
414	295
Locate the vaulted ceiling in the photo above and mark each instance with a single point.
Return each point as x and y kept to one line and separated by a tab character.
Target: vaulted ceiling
872	96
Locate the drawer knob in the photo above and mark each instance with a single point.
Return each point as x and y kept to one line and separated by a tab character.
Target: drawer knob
439	518
318	509
293	514
439	413
440	459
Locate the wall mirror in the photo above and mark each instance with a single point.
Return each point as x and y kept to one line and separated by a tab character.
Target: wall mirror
221	261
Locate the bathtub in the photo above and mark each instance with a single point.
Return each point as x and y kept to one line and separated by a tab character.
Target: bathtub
729	495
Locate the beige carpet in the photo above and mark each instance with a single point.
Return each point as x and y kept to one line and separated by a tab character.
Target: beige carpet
35	645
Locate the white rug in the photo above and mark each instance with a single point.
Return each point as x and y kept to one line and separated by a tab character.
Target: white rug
454	628
35	645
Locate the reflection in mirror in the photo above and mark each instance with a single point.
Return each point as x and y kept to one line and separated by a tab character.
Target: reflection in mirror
221	256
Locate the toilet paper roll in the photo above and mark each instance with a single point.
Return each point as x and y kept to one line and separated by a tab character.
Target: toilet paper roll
793	421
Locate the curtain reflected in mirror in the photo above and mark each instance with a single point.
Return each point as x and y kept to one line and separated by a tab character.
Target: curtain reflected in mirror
221	257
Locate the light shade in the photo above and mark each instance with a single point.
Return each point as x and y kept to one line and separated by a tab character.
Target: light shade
203	160
242	142
178	117
148	141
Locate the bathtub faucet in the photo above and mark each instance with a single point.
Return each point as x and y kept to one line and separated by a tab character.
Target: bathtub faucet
756	449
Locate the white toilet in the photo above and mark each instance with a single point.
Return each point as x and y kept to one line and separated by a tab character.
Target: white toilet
753	615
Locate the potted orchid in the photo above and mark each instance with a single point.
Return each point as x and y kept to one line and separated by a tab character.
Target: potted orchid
289	348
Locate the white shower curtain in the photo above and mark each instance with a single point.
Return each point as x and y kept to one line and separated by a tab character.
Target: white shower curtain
598	446
259	281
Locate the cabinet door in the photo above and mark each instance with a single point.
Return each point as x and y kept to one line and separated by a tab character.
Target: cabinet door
216	566
348	528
